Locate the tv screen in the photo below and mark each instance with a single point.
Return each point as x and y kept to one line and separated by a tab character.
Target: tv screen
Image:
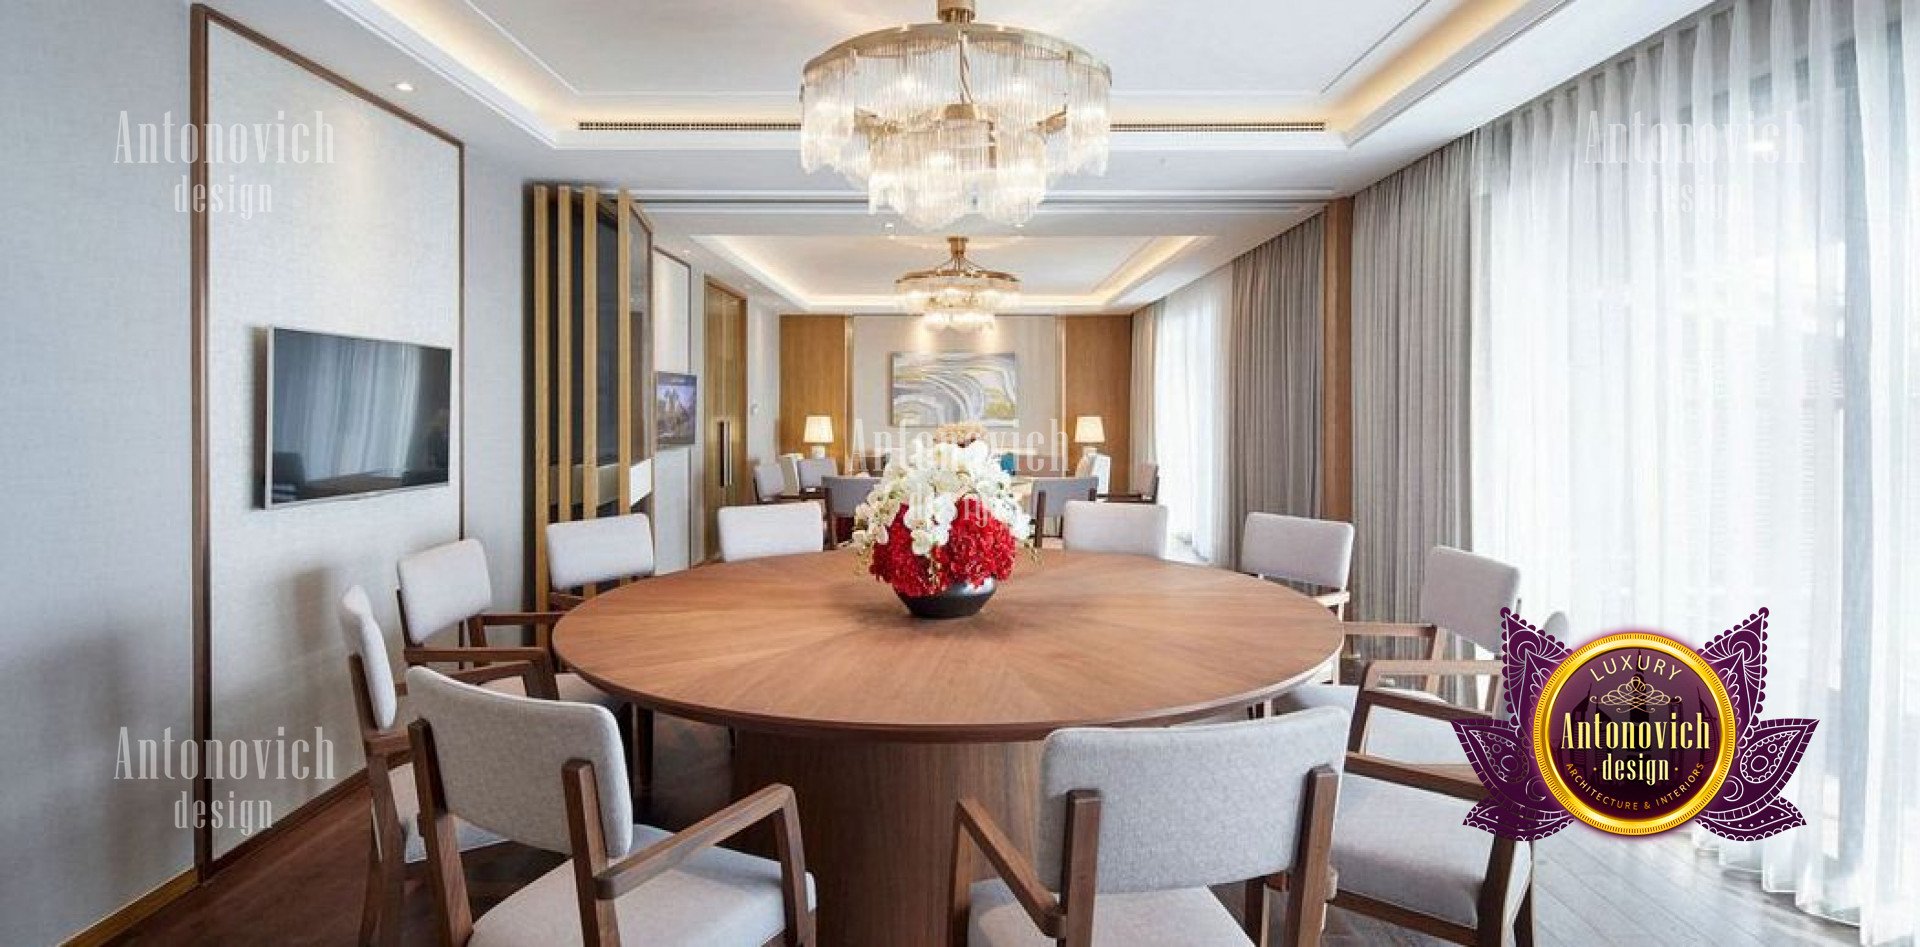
350	416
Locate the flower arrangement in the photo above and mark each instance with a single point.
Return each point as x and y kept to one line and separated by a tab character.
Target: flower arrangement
944	517
960	433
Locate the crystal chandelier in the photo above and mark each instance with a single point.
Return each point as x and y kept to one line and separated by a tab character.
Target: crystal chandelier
939	120
957	294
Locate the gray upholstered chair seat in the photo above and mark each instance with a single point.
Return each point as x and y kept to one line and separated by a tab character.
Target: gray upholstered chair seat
572	687
717	898
1183	917
1409	847
406	804
1405	738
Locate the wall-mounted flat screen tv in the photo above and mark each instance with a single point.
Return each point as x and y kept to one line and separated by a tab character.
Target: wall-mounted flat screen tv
349	416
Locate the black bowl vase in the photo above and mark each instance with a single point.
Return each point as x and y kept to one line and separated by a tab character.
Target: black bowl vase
958	601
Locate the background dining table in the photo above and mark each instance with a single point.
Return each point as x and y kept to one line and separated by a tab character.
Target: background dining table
882	722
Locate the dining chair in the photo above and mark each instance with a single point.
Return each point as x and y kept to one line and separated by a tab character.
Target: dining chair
1146	487
585	553
548	775
1401	846
1134	826
448	587
1135	529
844	496
1097	466
770	484
814	469
1310	552
396	841
756	532
1050	495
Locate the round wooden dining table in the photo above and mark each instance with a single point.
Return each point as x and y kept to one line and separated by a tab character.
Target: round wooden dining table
881	722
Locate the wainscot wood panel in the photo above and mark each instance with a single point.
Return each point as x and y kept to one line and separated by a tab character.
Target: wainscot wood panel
1096	372
816	377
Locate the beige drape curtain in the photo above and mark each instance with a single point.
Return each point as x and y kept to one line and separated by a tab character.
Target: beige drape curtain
1140	414
1273	381
1412	311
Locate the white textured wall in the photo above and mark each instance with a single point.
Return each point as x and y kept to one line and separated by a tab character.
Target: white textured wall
94	344
1034	340
763	382
495	366
368	244
674	468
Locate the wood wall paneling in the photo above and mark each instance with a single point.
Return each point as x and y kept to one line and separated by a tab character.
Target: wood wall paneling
1336	361
724	391
816	377
1096	378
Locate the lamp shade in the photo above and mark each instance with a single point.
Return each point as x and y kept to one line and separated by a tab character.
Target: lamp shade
1087	429
819	430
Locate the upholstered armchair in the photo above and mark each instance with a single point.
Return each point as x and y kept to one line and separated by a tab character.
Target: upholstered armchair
1131	528
756	532
548	774
1136	824
1309	552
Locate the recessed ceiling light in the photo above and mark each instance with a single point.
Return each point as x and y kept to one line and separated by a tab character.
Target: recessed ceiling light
403	86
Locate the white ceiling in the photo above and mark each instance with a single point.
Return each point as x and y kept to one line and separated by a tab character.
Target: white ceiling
1392	79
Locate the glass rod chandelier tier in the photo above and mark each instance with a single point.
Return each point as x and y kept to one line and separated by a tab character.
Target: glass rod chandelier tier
939	120
957	294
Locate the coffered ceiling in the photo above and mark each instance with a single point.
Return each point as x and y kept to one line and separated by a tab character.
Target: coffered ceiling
1375	84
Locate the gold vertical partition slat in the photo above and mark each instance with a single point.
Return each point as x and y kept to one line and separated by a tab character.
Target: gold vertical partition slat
590	354
563	466
542	421
623	356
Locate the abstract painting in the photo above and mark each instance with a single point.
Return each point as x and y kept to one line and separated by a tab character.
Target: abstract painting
935	388
676	408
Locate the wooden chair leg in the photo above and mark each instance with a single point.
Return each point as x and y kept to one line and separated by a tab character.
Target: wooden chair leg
370	901
1257	917
393	884
640	745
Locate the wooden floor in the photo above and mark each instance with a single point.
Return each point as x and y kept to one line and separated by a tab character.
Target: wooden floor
1591	889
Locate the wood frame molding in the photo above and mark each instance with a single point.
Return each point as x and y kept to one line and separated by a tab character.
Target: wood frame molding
201	19
1336	361
105	930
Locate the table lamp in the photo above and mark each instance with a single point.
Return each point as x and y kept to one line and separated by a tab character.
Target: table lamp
1088	430
819	433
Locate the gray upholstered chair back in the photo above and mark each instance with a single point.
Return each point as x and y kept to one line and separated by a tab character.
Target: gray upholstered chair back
1147	482
769	481
814	469
500	758
1297	549
442	587
845	494
1050	494
1464	594
363	638
782	529
1558	626
1136	529
1185	807
585	552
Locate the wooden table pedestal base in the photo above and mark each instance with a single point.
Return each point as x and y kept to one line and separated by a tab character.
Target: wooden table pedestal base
877	819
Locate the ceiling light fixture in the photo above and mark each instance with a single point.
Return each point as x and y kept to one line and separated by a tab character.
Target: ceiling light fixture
939	120
403	86
957	294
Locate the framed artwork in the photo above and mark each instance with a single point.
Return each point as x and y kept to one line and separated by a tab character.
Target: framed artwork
934	388
676	408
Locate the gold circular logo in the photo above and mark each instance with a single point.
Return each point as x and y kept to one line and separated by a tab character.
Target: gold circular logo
1634	733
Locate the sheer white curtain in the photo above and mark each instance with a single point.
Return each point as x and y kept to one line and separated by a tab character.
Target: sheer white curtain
1695	390
1189	405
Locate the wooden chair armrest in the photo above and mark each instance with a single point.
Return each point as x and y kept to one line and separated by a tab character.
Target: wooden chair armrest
564	601
1124	497
456	655
1447	779
1335	597
1418	706
535	676
973	822
773	802
1428	667
491	619
1388	629
387	744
